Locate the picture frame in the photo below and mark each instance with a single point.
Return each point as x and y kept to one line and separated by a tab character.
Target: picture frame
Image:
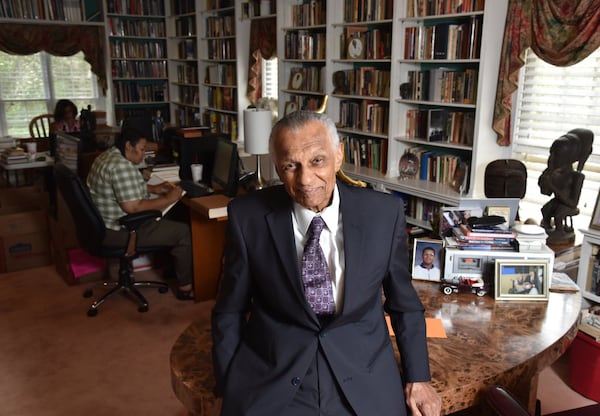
290	107
296	79
521	280
595	221
419	271
502	211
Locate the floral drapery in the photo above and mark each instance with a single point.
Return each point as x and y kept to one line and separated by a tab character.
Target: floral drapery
561	32
263	41
59	40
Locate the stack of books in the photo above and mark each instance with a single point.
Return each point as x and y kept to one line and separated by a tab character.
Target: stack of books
14	155
481	238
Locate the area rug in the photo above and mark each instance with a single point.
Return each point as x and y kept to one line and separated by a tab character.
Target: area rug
593	410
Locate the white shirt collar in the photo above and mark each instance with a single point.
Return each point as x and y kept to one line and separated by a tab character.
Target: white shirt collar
330	214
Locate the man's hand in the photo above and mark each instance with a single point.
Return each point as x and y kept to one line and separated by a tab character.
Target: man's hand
422	399
160	188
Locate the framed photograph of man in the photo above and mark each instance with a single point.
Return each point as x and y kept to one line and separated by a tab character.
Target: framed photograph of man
521	280
427	255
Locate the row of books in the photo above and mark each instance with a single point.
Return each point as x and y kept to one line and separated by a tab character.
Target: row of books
443	85
221	74
187	73
377	42
254	8
365	152
132	92
64	10
367	81
217	26
221	48
440	125
304	102
223	123
310	13
185	26
222	98
365	115
439	167
188	95
138	69
140	28
306	78
186	49
184	6
466	237
367	10
418	208
444	41
218	4
420	8
186	116
594	278
136	7
131	49
304	45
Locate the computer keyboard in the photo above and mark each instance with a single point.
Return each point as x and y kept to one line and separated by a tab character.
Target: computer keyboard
194	189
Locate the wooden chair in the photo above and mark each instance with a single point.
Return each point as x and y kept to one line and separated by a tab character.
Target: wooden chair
40	126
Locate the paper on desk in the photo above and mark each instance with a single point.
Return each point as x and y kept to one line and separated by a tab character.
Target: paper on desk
435	328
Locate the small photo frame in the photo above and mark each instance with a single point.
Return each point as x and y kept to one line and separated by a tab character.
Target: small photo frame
595	222
290	107
498	210
427	259
296	79
521	280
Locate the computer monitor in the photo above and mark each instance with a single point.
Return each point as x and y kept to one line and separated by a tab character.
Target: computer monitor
225	169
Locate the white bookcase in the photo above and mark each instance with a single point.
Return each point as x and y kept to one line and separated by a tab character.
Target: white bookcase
590	247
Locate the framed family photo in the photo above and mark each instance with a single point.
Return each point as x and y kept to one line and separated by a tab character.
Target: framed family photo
522	280
427	254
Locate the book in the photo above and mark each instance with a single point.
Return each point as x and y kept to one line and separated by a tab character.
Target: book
168	208
214	206
491	232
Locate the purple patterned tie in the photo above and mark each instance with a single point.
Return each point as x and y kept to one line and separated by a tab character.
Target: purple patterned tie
315	273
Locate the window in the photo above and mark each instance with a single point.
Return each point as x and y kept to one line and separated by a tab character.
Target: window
269	78
551	101
31	84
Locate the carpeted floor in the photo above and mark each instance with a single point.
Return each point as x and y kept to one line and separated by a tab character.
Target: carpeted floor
593	410
56	361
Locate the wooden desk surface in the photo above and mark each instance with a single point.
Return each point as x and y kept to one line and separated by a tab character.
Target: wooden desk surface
488	342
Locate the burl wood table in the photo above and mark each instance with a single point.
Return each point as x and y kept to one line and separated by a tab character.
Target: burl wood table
488	342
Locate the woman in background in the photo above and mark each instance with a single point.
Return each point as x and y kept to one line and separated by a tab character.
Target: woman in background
65	116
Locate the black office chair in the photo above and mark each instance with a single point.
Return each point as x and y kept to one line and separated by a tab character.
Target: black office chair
91	230
498	401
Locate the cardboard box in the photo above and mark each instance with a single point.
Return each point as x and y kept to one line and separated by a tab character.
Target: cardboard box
24	196
24	239
63	264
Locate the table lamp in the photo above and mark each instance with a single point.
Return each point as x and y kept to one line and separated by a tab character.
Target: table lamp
257	128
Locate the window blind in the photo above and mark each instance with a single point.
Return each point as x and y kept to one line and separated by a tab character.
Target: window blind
551	101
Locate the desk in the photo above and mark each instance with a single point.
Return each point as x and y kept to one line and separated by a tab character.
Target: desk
17	167
208	243
488	342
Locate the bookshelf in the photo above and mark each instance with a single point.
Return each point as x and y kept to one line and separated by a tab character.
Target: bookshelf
451	125
223	55
137	48
52	12
590	248
184	71
302	48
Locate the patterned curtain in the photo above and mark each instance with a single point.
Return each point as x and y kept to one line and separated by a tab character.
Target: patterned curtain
263	43
59	40
561	32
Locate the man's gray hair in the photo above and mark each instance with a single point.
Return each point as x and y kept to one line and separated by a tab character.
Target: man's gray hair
301	118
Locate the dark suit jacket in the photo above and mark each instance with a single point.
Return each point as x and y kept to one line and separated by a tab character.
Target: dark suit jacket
265	334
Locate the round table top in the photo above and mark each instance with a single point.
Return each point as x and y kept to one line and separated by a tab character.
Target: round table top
488	342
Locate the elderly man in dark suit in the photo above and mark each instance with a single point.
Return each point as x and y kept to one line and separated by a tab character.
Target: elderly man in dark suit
298	325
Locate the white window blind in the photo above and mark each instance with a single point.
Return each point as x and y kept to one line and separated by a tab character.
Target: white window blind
551	101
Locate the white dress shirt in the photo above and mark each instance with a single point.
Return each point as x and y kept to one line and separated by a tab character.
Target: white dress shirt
331	240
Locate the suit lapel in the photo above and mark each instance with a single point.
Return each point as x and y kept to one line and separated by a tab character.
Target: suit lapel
282	232
353	245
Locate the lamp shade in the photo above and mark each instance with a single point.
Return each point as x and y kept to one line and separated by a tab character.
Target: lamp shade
257	128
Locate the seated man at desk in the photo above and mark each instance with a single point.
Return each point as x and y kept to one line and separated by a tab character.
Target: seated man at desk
118	188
